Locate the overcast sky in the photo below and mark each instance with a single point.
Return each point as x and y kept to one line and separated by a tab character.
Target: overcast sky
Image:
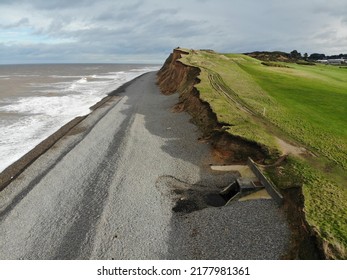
112	31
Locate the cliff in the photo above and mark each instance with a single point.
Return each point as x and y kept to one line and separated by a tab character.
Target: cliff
176	77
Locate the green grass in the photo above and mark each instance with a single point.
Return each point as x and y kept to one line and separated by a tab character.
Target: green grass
229	111
304	103
313	102
325	201
307	102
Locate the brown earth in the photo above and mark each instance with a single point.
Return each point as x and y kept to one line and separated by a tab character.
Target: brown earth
175	77
304	242
272	56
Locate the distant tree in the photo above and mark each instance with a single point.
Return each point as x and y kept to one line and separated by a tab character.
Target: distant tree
295	54
317	56
335	56
305	55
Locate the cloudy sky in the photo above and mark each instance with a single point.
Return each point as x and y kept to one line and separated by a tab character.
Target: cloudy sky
37	31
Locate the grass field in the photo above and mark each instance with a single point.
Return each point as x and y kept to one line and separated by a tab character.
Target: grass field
303	104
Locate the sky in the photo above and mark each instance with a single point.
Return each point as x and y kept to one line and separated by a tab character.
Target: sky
134	31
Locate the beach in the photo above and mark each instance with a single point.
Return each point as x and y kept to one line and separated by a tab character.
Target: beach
37	99
106	185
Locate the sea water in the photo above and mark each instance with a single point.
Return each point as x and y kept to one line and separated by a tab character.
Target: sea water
36	100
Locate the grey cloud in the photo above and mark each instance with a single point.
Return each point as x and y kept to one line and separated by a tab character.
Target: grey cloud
333	8
108	28
49	4
130	6
106	16
21	22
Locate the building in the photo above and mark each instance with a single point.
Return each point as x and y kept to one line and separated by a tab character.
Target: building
335	61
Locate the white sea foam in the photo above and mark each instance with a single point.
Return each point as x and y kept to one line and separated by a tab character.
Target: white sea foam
63	76
50	106
18	138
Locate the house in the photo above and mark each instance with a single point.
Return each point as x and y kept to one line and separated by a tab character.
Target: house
335	61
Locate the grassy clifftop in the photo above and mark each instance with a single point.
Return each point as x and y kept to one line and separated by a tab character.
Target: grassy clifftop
303	105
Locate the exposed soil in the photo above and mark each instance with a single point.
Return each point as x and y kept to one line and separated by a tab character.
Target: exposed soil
288	148
273	56
175	77
192	197
304	244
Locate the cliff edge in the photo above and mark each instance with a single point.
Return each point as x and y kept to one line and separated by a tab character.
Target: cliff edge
177	77
185	79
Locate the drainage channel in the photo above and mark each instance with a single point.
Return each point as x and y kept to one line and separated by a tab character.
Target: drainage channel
196	199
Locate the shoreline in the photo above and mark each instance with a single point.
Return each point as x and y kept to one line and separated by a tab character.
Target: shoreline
16	168
110	187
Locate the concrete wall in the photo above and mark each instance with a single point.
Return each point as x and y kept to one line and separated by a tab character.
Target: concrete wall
269	186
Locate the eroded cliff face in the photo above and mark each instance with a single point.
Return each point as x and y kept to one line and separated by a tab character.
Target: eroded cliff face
173	76
176	77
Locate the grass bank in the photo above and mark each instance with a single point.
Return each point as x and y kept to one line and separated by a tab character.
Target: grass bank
302	104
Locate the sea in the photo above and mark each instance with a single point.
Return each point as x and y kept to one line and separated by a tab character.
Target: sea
36	100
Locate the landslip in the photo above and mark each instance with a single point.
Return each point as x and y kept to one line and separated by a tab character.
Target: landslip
239	126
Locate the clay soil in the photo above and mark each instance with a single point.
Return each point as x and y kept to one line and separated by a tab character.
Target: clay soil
174	77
